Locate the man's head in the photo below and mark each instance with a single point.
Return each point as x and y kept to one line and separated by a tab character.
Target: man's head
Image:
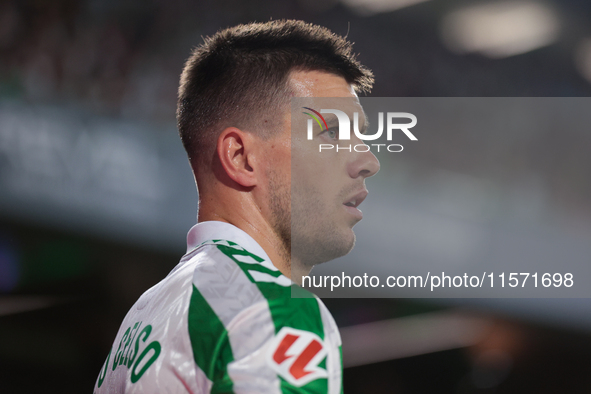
239	77
234	117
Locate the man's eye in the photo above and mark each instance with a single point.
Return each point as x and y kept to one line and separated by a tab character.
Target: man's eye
332	133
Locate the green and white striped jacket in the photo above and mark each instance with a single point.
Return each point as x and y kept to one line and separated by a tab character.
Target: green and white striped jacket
224	321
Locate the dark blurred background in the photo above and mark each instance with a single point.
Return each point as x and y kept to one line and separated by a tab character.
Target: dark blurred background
96	195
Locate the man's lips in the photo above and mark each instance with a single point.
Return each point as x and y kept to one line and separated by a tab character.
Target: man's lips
356	199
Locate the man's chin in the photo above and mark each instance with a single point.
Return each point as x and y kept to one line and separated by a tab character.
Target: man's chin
348	242
314	253
351	244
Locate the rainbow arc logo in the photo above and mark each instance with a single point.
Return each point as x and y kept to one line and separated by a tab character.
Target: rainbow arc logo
387	122
318	115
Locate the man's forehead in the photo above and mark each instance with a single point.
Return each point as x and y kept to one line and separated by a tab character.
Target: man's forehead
320	84
322	90
325	105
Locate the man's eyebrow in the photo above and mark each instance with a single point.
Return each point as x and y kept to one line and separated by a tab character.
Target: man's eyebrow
332	122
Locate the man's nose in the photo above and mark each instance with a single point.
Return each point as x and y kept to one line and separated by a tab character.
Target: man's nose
365	164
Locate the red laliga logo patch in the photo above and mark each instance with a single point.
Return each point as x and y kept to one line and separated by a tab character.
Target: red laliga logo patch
295	355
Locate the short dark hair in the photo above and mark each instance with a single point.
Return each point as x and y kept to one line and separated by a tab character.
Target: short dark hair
239	76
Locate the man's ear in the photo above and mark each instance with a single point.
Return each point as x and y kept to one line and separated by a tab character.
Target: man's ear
235	149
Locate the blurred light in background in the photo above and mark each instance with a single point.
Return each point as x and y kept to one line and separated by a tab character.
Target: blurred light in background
500	30
583	58
370	7
18	304
410	336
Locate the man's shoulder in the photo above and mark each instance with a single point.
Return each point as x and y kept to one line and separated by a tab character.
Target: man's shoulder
233	269
234	283
224	263
245	315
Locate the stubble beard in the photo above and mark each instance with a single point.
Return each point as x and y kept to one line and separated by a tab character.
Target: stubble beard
300	219
280	205
315	238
